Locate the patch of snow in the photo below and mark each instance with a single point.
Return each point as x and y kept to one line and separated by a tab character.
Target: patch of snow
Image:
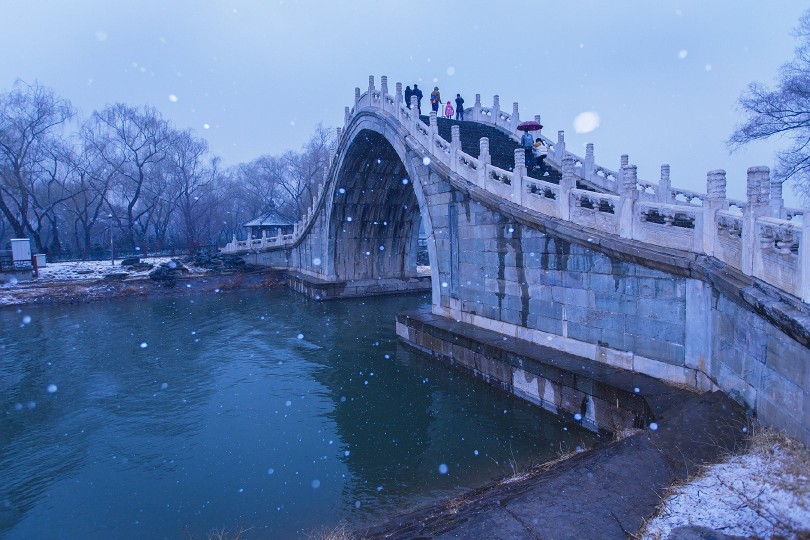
763	494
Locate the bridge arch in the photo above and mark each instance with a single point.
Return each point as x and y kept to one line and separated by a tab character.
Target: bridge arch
376	206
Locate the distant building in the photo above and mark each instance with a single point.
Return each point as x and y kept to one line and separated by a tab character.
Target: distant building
271	222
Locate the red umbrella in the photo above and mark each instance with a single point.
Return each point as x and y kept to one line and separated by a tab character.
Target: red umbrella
529	125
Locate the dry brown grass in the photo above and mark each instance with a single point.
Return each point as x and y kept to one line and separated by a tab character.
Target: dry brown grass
341	531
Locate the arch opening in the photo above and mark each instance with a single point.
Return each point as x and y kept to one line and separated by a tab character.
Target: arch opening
375	217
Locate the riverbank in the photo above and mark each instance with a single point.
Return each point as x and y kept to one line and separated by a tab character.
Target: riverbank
700	475
88	281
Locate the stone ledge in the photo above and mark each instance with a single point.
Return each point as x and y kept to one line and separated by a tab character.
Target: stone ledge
605	396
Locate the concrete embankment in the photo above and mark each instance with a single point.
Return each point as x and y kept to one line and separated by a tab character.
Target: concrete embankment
606	492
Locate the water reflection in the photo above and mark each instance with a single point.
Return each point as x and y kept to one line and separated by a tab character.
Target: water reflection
265	409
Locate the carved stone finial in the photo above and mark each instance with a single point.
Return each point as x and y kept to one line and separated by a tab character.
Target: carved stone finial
560	137
664	173
384	84
758	185
629	178
589	150
716	184
484	146
478	100
624	161
496	101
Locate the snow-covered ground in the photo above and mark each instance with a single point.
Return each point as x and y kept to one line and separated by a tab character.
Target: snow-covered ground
763	493
92	270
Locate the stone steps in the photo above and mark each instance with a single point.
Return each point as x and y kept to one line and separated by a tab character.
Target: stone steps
501	146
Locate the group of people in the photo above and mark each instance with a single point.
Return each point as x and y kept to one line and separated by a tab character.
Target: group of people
435	102
536	152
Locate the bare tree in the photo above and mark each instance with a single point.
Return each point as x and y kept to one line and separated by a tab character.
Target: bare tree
303	171
140	138
194	177
784	111
29	118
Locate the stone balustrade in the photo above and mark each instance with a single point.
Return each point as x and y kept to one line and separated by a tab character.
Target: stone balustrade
758	236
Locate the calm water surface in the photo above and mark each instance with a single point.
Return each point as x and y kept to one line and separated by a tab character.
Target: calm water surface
168	418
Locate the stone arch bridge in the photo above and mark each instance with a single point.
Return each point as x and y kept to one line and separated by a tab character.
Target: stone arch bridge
585	262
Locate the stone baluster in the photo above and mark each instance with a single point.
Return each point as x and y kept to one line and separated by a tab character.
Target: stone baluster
484	161
629	195
476	112
371	89
339	132
496	109
776	203
518	174
414	115
804	258
664	186
624	160
434	127
559	148
384	90
757	192
455	145
588	164
346	114
567	183
515	116
279	233
715	200
356	98
398	100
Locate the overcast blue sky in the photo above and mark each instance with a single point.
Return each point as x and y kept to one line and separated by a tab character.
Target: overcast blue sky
255	77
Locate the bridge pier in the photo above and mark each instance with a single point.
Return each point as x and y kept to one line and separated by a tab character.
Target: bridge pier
321	289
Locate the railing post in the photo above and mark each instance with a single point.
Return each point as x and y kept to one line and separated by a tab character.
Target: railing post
484	160
515	117
587	165
624	160
559	148
370	89
716	200
476	112
664	186
776	203
757	205
346	114
455	146
383	90
567	183
629	194
434	128
398	100
356	98
496	108
339	133
414	112
804	258
518	173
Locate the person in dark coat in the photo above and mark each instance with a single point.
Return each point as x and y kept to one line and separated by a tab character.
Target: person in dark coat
459	107
418	94
408	94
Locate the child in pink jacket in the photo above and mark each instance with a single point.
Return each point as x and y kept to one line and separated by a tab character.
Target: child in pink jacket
449	111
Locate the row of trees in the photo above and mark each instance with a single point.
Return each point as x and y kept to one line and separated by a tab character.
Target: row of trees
70	184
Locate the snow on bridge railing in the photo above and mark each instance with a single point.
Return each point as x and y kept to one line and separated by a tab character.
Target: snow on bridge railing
758	236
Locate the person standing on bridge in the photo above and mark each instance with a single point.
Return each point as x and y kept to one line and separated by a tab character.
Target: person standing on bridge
435	99
459	107
448	111
418	94
408	94
527	142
